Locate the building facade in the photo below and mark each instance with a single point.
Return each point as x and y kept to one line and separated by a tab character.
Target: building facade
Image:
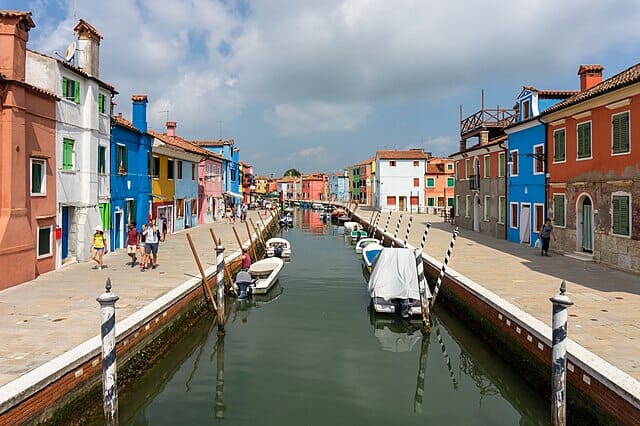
439	185
210	197
399	180
339	186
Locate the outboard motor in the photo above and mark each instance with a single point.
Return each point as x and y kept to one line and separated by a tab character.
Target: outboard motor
404	308
244	281
277	251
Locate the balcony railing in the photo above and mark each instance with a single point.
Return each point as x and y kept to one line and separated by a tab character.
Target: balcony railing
474	182
487	118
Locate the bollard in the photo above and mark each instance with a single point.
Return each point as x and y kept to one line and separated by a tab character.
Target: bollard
436	289
220	285
107	301
559	357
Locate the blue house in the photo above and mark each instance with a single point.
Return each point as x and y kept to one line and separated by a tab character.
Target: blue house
339	186
129	174
526	179
231	168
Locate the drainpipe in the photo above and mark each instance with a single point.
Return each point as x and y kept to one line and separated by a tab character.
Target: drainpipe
506	188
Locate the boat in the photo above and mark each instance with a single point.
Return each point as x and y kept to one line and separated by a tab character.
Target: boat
286	220
243	283
324	216
356	234
317	206
278	247
289	209
393	284
351	226
369	254
363	242
265	273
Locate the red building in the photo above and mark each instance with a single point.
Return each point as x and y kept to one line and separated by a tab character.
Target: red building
27	161
440	184
315	187
594	168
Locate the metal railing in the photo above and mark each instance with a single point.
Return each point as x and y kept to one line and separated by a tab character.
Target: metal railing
497	117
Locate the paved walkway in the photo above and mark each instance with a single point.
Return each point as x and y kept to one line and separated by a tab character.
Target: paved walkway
57	311
604	318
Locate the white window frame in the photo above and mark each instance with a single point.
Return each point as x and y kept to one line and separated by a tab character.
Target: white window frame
50	254
529	113
628	112
43	184
457	170
535	160
501	219
447	182
466	205
449	167
562	129
511	218
535	223
487	170
517	151
623	194
467	168
590	157
487	212
553	209
153	175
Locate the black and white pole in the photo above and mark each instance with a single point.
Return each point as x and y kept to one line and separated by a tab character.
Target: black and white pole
445	354
423	243
395	234
220	284
559	356
386	225
374	228
406	234
423	290
422	370
436	289
107	301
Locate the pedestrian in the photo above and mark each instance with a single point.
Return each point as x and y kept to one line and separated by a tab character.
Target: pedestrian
228	214
246	260
151	244
244	213
451	214
133	241
545	235
143	254
98	247
238	212
165	226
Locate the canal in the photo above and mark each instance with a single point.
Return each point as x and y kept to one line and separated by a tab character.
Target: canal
310	353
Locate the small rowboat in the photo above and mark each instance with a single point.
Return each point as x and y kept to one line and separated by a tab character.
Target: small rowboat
356	234
278	247
369	255
363	242
265	273
351	226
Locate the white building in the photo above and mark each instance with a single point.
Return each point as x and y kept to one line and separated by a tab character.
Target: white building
82	141
399	180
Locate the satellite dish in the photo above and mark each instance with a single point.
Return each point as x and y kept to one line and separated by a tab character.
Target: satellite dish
71	50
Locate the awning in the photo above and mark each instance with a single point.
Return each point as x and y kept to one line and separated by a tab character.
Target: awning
233	194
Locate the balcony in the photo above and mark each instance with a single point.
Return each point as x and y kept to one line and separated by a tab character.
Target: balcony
474	182
487	119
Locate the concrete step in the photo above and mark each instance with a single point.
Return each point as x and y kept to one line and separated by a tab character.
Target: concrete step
580	255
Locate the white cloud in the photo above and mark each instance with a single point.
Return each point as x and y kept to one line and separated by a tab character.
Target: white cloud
306	153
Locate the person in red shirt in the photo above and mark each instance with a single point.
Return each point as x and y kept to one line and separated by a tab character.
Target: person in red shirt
133	239
246	260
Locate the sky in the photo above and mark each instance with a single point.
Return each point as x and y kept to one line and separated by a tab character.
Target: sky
319	85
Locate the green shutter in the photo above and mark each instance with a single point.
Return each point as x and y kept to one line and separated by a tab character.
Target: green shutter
584	140
559	145
76	92
67	154
558	210
100	102
105	215
620	207
430	182
64	87
620	125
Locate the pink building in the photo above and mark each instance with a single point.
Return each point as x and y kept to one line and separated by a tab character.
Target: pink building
315	187
27	161
210	197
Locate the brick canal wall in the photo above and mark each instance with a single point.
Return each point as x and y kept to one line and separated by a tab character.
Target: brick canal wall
597	392
65	387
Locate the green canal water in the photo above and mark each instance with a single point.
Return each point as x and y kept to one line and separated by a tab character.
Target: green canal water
310	353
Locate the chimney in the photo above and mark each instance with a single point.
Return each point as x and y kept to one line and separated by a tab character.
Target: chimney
484	137
14	34
171	128
590	75
88	48
139	112
463	145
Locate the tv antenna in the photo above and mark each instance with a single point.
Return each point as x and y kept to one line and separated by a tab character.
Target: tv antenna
166	111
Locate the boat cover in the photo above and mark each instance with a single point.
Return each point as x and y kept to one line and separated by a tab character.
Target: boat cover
371	251
394	275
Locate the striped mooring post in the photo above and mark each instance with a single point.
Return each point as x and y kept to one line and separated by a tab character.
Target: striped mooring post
386	225
107	301
395	234
424	236
406	234
559	356
436	289
220	285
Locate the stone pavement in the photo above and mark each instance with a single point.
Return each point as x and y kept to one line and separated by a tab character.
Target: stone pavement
605	316
57	311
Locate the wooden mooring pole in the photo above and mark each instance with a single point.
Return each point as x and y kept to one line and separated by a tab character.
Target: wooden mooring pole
251	248
436	289
259	238
237	238
374	225
205	281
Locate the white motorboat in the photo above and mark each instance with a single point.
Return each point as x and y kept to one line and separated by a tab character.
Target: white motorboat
363	242
265	273
351	226
369	254
393	284
289	209
317	206
278	247
286	220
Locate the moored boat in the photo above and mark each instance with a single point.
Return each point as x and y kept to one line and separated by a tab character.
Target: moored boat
351	226
357	234
363	242
265	273
278	247
317	206
369	254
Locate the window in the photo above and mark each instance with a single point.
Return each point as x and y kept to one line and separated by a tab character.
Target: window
467	168
513	222
431	202
431	183
502	211
391	200
67	154
392	163
487	208
457	170
502	164
416	163
102	159
194	207
193	171
451	182
487	166
44	241
467	205
621	217
620	133
121	159
416	182
233	175
38	177
514	163
559	146
180	207
584	140
170	168
102	103
449	166
415	200
71	90
538	217
526	109
559	210
450	201
155	167
179	167
457	205
538	159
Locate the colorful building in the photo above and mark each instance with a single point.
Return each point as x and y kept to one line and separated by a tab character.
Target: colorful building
439	185
399	180
129	170
210	197
27	161
526	181
594	168
314	187
231	167
339	186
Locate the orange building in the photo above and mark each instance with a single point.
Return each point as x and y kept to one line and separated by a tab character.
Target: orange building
27	161
440	184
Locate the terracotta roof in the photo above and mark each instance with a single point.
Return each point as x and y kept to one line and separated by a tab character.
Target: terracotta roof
139	98
180	143
31	87
409	154
626	78
24	16
216	143
552	94
590	69
119	120
83	25
435	169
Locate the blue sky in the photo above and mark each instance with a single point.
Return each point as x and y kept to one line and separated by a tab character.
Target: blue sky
320	85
